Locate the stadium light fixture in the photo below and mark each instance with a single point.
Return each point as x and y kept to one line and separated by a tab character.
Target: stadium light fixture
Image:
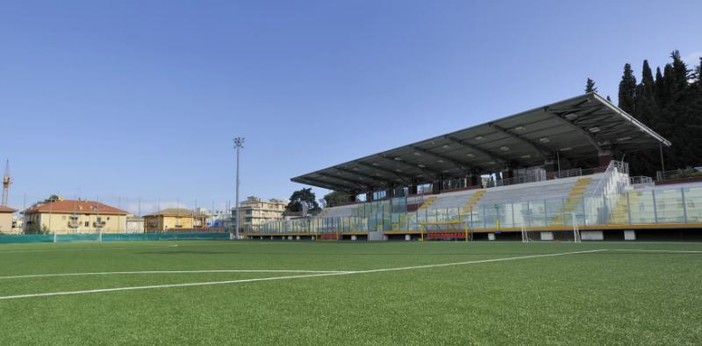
238	144
571	116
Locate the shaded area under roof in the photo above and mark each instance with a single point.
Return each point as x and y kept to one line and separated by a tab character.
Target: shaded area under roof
579	127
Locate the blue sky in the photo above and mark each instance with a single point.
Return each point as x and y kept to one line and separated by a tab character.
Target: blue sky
131	101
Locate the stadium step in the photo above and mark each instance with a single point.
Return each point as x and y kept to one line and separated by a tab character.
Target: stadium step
620	214
428	202
574	197
472	201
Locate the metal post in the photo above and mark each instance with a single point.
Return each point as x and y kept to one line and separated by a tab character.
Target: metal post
238	144
660	149
684	204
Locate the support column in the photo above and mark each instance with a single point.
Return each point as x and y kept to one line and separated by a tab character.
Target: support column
604	157
412	189
436	186
390	193
551	166
369	196
474	180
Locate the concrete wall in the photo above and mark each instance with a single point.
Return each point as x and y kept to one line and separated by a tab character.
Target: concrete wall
78	223
6	223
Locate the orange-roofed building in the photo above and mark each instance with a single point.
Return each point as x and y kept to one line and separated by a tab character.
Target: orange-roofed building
67	216
175	219
6	219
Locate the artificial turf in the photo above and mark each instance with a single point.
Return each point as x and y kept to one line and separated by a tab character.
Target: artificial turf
617	295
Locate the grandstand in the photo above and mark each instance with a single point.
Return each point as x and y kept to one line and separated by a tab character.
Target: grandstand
544	174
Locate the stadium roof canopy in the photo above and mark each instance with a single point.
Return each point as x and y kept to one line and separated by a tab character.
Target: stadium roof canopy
580	127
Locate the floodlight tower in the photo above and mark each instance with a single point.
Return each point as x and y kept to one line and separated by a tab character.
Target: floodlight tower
238	144
6	181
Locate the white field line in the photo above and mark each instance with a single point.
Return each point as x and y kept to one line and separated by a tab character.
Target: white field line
660	251
170	272
209	283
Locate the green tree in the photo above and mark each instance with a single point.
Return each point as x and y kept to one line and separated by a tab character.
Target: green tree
627	90
590	86
335	198
646	162
302	199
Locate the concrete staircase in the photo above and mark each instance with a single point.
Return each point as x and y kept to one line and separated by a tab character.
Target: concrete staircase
575	196
428	202
620	212
472	201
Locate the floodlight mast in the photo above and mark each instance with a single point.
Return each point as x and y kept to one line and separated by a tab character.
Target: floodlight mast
238	144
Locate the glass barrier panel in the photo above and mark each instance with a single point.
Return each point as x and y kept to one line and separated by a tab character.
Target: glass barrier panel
669	206
693	204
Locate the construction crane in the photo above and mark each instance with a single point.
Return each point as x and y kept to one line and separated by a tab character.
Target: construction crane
6	181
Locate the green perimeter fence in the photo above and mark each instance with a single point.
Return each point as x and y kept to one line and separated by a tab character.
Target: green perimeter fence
107	237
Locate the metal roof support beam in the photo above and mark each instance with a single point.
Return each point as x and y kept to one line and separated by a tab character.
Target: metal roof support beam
543	151
493	156
352	181
432	173
404	178
641	126
324	184
350	171
586	133
461	166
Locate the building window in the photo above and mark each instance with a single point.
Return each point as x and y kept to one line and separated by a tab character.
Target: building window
87	223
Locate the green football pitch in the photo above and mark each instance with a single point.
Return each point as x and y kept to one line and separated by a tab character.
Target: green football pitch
224	292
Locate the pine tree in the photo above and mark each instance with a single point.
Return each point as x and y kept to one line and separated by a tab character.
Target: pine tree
590	86
627	90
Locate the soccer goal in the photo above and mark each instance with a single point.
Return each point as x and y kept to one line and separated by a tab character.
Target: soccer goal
445	230
77	237
563	228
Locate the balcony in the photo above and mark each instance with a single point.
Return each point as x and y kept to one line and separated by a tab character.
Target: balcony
73	224
99	224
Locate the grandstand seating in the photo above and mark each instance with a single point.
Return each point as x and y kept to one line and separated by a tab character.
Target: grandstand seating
340	211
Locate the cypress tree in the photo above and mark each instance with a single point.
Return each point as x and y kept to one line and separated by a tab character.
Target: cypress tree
627	90
660	89
645	105
647	79
590	86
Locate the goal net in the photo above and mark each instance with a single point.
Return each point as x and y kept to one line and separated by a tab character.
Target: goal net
445	230
562	228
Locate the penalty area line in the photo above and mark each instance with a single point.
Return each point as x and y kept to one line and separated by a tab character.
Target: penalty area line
290	277
204	271
658	251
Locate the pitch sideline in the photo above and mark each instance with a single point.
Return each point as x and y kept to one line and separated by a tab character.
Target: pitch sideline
288	277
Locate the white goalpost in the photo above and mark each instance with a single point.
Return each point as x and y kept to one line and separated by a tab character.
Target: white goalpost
561	231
